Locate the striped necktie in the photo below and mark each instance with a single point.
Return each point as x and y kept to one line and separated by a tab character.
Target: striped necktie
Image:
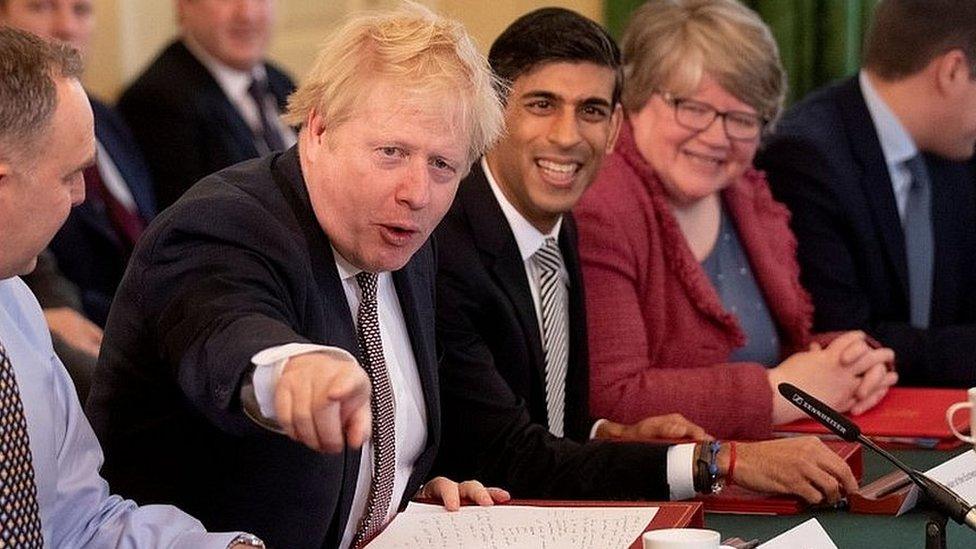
20	520
270	136
553	297
381	405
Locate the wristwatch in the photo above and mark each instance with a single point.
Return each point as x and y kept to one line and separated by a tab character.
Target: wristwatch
249	540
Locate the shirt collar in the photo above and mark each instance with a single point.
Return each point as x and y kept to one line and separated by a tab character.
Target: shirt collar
897	144
346	270
233	82
528	238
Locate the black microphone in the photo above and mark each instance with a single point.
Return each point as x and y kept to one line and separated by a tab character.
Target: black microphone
942	497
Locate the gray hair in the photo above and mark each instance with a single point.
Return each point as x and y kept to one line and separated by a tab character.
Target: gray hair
29	66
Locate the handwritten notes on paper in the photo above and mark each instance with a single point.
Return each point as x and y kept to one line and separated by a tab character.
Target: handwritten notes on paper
514	526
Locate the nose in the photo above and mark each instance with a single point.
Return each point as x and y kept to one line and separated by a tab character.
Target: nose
564	131
414	188
64	25
714	135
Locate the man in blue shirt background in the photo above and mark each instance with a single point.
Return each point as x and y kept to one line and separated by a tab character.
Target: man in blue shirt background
49	458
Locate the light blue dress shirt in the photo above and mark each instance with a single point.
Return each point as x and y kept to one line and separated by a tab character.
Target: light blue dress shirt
76	508
897	145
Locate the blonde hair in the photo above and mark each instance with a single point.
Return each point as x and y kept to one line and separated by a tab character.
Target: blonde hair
670	44
426	56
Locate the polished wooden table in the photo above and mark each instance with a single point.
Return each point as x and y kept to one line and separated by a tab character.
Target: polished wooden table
853	530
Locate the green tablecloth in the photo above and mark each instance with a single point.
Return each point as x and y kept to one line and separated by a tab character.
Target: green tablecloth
849	529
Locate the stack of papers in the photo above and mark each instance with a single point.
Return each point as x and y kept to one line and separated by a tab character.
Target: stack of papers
514	526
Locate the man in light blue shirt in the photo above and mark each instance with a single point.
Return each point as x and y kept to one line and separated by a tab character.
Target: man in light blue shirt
49	456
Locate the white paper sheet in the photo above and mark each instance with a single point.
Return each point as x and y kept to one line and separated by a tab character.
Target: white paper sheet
514	526
809	535
959	474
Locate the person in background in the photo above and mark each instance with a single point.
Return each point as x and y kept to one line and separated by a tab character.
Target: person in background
878	173
52	493
77	278
210	99
271	357
510	311
692	287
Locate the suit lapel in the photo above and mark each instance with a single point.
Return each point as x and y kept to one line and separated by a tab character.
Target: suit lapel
496	243
414	290
874	177
577	378
340	329
212	97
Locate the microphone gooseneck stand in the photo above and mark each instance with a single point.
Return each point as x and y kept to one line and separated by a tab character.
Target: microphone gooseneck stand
945	502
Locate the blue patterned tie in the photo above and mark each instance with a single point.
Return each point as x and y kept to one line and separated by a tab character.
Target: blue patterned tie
919	242
20	520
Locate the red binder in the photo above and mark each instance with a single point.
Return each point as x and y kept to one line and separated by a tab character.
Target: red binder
908	417
738	500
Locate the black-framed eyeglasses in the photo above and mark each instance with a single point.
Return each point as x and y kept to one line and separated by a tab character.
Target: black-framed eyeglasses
698	116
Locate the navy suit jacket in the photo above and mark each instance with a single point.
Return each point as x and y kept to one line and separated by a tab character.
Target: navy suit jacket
184	123
88	250
824	160
493	369
238	265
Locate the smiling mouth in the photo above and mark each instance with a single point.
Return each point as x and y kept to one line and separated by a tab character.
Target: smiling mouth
558	173
704	159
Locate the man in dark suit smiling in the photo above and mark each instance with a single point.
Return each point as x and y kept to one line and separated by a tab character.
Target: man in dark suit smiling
296	291
510	301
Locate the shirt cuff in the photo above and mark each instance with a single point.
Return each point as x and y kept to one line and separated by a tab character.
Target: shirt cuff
681	479
596	425
270	362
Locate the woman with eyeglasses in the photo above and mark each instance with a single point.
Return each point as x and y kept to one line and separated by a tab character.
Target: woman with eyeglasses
693	297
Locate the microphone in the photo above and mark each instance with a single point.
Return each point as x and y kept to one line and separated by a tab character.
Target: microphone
942	497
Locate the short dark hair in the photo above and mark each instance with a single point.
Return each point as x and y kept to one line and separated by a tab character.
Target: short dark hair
551	35
907	34
28	91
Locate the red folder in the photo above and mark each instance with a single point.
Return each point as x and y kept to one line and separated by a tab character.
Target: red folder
738	500
911	417
670	514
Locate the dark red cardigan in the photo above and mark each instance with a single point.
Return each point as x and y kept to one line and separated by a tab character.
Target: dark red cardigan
660	339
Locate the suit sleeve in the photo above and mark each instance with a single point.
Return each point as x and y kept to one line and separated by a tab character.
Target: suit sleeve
226	298
627	381
488	434
799	174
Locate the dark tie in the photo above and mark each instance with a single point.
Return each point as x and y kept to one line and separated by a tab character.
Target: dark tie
270	136
919	242
553	298
381	404
128	225
20	520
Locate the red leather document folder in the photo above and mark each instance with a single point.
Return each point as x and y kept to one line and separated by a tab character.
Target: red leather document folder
738	500
670	514
912	417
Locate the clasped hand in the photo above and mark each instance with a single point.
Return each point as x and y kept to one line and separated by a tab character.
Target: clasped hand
848	374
